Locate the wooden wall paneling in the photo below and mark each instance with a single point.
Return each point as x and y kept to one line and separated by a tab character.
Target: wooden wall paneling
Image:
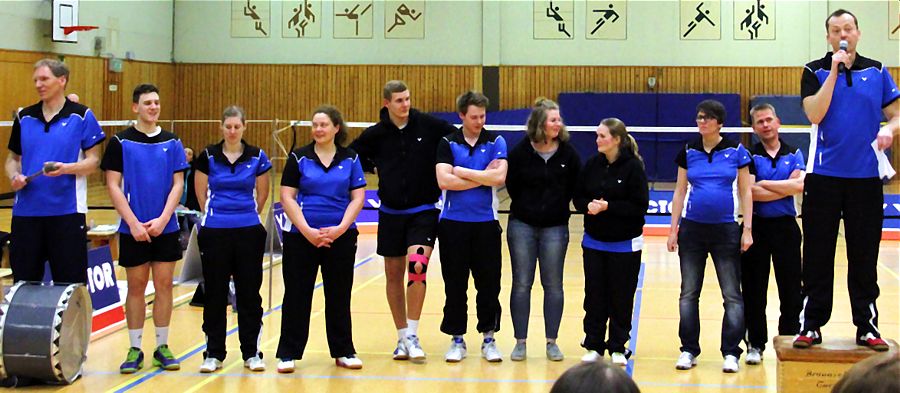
293	91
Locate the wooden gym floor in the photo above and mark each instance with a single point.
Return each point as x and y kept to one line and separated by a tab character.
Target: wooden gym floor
654	336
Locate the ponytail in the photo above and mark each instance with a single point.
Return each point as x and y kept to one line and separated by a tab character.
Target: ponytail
627	143
632	146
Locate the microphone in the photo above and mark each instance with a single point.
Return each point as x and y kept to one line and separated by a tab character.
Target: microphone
842	67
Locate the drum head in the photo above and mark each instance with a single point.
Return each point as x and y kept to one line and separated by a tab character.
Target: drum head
75	333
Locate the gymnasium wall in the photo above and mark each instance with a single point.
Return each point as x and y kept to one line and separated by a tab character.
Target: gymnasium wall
143	28
203	35
653	39
497	32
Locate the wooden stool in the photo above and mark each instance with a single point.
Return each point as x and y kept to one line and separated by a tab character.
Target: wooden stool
4	272
103	235
818	368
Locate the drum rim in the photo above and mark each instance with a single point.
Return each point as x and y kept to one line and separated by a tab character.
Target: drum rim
55	361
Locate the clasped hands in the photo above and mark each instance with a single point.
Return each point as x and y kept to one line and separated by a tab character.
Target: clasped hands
323	237
596	206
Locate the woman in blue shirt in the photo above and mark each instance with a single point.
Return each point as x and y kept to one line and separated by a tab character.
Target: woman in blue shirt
322	191
713	173
232	184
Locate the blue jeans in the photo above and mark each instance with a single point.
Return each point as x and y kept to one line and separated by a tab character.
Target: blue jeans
529	245
695	242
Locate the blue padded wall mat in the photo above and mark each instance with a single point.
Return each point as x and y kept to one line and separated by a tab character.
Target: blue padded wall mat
680	110
507	117
588	109
788	108
790	111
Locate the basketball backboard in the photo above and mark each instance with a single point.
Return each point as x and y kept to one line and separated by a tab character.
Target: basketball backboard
65	14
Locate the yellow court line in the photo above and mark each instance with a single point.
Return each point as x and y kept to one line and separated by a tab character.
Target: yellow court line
214	375
196	347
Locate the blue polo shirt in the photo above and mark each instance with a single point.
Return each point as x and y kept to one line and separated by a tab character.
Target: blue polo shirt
712	194
230	197
478	204
323	192
63	139
841	144
147	164
786	161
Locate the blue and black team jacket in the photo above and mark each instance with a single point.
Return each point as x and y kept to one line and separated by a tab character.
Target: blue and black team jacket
786	161
147	164
63	139
405	160
323	192
230	200
712	194
477	204
841	144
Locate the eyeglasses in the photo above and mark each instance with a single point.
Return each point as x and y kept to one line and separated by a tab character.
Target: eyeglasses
701	118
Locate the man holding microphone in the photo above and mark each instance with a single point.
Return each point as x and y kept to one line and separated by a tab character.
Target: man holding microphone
844	96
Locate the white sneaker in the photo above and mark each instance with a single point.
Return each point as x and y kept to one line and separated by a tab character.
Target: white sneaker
591	356
414	349
686	361
255	364
754	356
457	350
286	366
490	352
210	364
352	362
619	359
730	365
401	352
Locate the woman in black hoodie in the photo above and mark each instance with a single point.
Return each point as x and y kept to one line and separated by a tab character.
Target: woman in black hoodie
612	192
543	169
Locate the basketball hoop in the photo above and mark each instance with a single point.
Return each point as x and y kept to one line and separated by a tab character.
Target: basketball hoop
71	29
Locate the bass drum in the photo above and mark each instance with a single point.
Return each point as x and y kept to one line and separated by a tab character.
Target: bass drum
44	331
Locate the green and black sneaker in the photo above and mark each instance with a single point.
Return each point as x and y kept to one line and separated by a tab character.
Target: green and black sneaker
163	358
133	362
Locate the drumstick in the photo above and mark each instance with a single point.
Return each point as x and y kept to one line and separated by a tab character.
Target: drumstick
48	167
34	176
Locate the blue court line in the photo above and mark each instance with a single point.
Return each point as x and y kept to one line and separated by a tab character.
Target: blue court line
271	375
635	320
202	347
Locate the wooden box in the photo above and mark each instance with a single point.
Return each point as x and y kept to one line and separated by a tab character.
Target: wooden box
103	236
817	369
